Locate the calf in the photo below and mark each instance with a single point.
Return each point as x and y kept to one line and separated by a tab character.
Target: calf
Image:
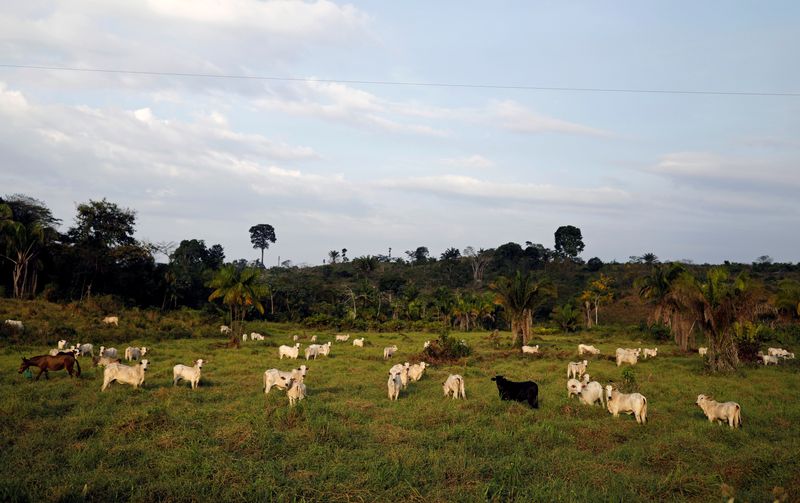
455	385
702	351
111	320
415	371
530	349
388	352
586	348
289	351
576	369
729	412
296	391
280	379
650	352
342	337
525	391
358	342
393	385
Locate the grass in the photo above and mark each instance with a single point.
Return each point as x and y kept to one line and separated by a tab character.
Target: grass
64	440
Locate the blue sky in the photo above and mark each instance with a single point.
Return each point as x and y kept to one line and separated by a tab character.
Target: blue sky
367	167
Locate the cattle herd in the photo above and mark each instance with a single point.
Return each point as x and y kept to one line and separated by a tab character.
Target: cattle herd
579	382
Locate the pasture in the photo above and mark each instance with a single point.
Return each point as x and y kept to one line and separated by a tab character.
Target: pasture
64	440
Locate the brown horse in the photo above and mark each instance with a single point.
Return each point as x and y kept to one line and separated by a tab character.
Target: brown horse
47	362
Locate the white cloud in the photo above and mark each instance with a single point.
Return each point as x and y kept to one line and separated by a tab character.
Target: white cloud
744	174
475	161
515	117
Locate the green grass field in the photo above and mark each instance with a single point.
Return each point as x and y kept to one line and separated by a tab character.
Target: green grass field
64	440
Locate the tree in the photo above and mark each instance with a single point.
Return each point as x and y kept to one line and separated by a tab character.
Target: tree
478	260
520	295
787	300
26	227
333	256
599	291
451	254
717	303
569	242
418	256
344	255
567	317
594	264
240	290
261	236
656	289
191	265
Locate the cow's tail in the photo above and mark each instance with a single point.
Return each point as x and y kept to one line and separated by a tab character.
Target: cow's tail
644	410
461	387
77	364
738	419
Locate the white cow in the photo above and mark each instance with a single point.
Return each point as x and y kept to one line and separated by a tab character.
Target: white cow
15	324
627	356
295	338
402	370
325	349
702	351
244	337
85	349
296	391
767	359
225	329
255	336
425	345
576	369
358	342
134	353
415	371
289	351
313	338
454	384
729	412
111	320
591	391
109	352
342	337
124	374
530	349
586	348
627	403
280	379
388	352
191	374
393	385
312	350
650	352
63	343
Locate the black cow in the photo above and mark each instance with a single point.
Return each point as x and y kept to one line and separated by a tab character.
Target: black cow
525	391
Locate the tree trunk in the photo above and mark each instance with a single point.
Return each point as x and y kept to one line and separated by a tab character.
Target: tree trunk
722	353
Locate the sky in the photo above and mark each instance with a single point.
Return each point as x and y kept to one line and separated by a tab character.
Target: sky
332	163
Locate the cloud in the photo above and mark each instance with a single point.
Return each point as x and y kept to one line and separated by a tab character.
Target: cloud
513	116
474	161
486	190
720	172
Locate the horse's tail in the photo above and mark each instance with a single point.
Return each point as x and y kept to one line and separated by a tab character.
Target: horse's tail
78	364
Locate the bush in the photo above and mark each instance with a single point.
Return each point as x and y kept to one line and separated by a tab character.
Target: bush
447	348
749	338
629	384
657	331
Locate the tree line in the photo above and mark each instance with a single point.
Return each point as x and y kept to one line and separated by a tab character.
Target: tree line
512	286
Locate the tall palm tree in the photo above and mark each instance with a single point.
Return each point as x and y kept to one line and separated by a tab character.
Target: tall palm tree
240	290
520	296
717	303
21	244
656	288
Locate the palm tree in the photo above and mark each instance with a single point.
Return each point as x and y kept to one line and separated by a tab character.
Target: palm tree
656	288
239	289
567	317
717	304
520	296
22	243
333	256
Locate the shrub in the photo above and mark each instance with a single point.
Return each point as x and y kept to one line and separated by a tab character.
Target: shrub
657	331
629	384
748	338
447	348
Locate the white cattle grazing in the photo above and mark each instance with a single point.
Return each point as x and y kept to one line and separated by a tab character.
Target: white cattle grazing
402	370
289	351
255	336
244	337
111	320
627	356
530	349
650	352
224	329
280	379
124	374
767	359
109	352
780	352
295	338
426	344
455	385
586	348
325	349
342	337
415	371
296	391
591	391
85	349
394	384
627	403
15	324
191	374
576	369
358	342
133	353
729	412
702	351
388	352
62	344
313	338
312	350
574	387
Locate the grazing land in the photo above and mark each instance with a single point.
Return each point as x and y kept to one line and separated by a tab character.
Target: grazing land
63	439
